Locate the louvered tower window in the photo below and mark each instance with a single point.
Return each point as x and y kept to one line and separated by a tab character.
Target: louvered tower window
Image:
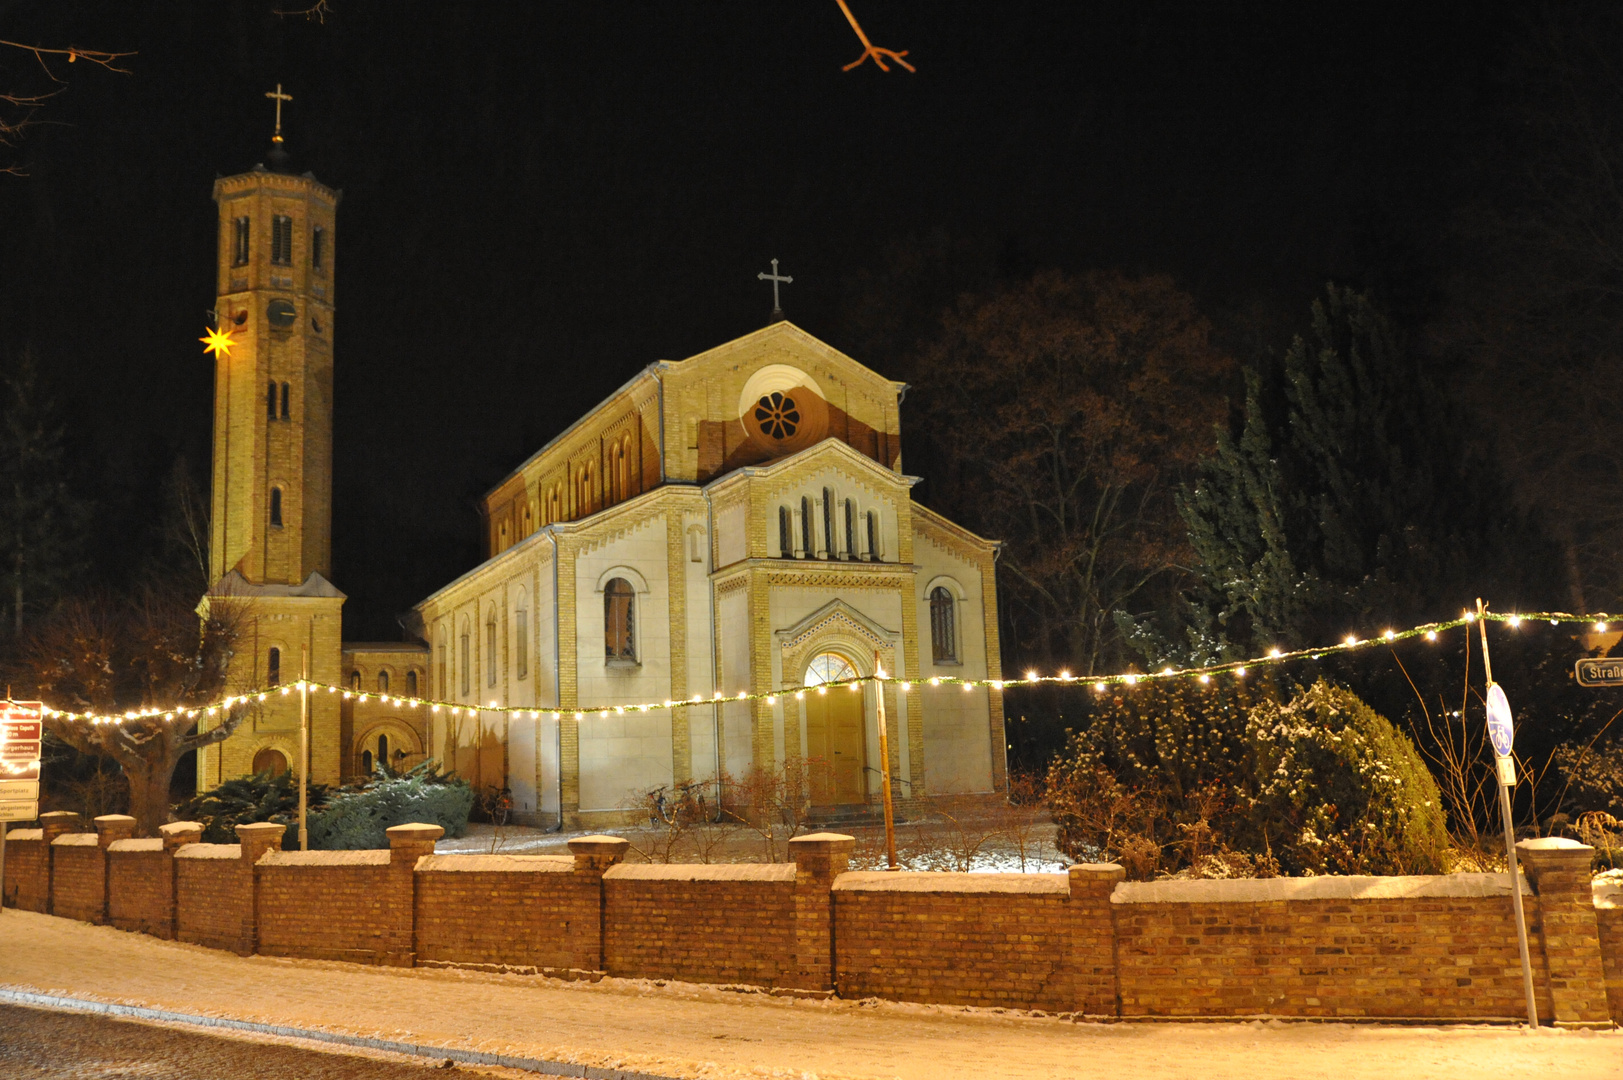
239	242
282	240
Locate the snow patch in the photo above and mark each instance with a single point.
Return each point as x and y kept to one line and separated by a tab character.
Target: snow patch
77	839
1273	890
927	881
701	872
367	857
531	864
153	844
210	851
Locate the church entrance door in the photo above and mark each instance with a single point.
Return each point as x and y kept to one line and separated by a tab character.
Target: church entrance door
834	734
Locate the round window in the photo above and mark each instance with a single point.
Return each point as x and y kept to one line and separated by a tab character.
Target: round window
777	415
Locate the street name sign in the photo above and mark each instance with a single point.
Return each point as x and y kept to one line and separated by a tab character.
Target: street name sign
1600	672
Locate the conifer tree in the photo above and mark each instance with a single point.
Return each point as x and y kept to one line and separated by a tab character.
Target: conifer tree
1348	500
40	518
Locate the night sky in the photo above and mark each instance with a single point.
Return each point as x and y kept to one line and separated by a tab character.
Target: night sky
541	198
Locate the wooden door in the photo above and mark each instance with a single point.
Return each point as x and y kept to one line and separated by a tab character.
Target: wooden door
835	742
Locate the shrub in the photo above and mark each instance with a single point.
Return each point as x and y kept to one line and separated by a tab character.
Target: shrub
1340	790
356	818
248	799
1216	783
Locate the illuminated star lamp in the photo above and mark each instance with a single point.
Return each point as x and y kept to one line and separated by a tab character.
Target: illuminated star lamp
218	342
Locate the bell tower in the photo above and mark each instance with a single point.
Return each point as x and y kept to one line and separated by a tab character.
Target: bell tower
270	529
272	489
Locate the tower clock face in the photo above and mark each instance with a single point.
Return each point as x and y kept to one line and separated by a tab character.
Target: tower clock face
281	314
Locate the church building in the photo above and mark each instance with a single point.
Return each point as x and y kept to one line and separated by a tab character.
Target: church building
737	522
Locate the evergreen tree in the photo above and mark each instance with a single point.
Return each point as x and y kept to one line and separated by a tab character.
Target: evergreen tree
1349	500
40	518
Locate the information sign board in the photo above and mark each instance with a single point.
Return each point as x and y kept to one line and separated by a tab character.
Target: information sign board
22	728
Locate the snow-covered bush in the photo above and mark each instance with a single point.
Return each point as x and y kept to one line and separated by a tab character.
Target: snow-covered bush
1215	783
1340	789
356	818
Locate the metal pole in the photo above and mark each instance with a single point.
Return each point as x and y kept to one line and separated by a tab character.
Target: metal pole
1510	844
884	762
2	866
304	747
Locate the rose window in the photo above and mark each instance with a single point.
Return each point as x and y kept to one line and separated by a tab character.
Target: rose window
777	415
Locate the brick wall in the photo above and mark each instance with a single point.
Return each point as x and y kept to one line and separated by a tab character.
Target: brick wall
1609	919
28	886
724	923
323	905
210	897
139	887
1441	947
514	910
1018	940
1333	946
78	878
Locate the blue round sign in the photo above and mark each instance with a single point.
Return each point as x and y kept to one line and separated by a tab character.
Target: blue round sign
1500	729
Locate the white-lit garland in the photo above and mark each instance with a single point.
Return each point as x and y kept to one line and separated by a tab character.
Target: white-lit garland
1237	668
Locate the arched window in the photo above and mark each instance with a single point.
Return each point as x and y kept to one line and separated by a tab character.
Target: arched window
619	620
521	638
276	507
270	400
490	648
465	660
239	247
786	533
442	684
383	681
629	463
355	680
366	762
281	240
873	536
270	760
808	549
943	626
273	667
284	401
411	681
383	750
828	667
830	551
850	529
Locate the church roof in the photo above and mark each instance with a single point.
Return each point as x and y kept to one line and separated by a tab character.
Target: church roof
233	583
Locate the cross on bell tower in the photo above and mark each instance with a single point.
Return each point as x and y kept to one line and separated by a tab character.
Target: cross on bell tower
280	97
776	279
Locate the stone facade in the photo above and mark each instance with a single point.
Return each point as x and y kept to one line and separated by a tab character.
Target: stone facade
747	556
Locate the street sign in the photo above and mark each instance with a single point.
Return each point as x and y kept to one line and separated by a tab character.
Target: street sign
1501	731
1600	672
22	728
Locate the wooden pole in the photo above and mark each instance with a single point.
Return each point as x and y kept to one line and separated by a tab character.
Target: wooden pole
304	747
884	767
1510	843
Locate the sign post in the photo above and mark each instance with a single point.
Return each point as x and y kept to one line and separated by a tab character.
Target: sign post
884	767
22	729
1501	732
304	747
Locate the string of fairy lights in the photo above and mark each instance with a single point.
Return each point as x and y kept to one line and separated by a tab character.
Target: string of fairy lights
1205	674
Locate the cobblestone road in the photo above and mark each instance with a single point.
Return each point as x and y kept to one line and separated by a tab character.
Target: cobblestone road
41	1044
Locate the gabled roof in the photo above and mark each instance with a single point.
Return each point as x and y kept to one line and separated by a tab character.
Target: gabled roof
827	447
233	583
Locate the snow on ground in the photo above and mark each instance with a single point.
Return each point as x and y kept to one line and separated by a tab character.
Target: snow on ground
679	1029
927	845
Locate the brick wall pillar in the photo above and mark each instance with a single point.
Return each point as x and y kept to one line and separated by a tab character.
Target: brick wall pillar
110	827
593	856
53	825
407	844
1092	950
176	835
256	839
1559	871
819	858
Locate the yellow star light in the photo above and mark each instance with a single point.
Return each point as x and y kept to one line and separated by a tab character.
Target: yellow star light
218	342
